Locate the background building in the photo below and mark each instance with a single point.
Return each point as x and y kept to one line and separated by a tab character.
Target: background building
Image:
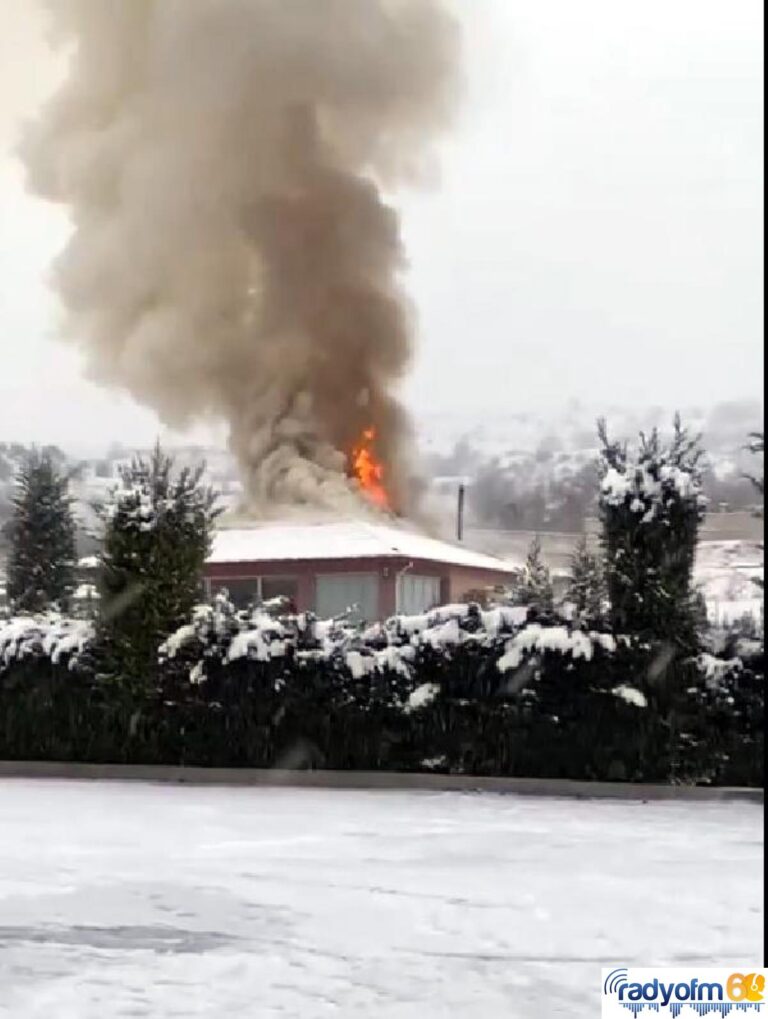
329	568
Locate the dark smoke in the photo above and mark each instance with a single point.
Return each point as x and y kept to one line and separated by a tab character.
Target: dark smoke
232	255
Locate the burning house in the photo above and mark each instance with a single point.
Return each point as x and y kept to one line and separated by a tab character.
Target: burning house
372	568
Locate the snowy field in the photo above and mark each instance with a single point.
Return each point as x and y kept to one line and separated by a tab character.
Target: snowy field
158	901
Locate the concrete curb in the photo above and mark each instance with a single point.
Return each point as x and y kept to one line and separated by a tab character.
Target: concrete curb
382	780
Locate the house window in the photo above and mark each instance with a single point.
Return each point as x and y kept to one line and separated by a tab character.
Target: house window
245	591
355	595
415	594
242	591
280	587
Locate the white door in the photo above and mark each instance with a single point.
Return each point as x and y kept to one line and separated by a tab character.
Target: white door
337	592
416	594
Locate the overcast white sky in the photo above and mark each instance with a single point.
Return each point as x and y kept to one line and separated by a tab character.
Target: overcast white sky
597	233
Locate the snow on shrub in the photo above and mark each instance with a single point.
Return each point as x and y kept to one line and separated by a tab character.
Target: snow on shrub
717	671
631	695
52	637
651	506
650	484
421	697
218	631
503	618
535	638
20	637
365	662
218	635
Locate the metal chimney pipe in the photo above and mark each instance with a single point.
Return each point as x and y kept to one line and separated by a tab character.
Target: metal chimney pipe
460	515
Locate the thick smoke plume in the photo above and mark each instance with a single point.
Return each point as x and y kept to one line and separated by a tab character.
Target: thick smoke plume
232	256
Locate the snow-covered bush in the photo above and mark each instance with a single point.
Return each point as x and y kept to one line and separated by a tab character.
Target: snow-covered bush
47	638
218	633
458	688
535	638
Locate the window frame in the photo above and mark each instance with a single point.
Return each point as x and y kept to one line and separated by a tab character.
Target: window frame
258	580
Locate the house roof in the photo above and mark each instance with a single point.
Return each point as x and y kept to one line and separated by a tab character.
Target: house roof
349	539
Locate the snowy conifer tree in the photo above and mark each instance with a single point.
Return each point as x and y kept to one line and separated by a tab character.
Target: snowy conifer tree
158	533
42	537
651	506
586	587
535	587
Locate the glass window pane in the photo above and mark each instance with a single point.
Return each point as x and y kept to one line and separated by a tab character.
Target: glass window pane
356	593
241	592
280	587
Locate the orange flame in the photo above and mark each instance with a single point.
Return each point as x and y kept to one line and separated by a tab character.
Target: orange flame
368	470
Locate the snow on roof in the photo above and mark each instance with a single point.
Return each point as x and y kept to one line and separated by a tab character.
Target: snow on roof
349	539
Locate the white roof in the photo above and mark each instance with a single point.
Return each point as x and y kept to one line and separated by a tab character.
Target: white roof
349	539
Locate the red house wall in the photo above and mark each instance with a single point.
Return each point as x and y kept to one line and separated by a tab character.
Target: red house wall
305	571
463	579
455	581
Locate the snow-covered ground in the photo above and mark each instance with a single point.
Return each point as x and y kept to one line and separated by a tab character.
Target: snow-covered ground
159	901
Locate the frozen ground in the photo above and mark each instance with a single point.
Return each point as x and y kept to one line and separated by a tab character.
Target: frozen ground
157	901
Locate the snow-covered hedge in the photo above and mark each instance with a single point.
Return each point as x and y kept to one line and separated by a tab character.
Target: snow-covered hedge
51	637
458	688
220	634
534	638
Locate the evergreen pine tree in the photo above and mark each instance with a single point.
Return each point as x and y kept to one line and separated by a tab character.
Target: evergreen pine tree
586	588
42	537
158	533
535	587
651	506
